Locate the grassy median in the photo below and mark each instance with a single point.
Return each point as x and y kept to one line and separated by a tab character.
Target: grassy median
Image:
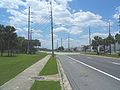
106	55
50	68
11	66
46	85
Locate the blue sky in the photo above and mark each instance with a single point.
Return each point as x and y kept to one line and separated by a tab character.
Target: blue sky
71	17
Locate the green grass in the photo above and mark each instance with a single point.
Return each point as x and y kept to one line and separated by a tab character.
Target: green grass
67	52
46	85
93	53
115	56
11	66
50	68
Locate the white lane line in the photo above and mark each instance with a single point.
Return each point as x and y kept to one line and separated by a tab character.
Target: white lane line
116	63
95	69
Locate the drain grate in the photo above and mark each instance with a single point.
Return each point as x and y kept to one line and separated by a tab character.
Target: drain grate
38	78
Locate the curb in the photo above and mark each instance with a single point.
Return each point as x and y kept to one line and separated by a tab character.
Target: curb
65	85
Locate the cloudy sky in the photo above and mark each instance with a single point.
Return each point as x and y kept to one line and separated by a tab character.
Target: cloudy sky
71	17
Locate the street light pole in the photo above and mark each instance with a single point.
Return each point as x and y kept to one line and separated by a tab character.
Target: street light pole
52	29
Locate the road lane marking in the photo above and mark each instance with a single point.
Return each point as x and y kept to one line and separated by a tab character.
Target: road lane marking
95	69
116	63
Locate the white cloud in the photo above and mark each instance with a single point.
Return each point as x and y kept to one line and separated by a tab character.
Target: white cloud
95	34
99	34
116	15
40	12
11	4
75	30
88	18
37	35
61	29
18	18
61	15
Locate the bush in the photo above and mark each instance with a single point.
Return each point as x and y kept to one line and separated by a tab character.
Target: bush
118	53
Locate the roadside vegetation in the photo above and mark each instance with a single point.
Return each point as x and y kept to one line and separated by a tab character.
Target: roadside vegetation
104	46
46	85
11	43
107	55
50	68
11	66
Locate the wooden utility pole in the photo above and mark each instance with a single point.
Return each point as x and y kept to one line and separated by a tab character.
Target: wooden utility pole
52	28
57	44
28	31
61	42
119	23
109	40
68	41
90	38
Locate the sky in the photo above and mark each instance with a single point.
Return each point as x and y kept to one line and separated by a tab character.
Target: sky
70	17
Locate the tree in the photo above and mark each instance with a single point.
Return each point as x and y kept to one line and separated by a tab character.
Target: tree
96	42
11	38
20	41
110	40
85	47
117	38
61	48
2	32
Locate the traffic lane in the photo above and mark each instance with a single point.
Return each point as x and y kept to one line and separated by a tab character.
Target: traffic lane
104	64
84	78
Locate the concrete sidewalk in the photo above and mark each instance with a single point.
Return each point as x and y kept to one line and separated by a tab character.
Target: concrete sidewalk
23	80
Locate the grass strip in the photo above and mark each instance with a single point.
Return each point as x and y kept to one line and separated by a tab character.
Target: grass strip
50	68
11	66
114	56
46	85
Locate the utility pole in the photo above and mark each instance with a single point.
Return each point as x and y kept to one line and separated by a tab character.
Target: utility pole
31	34
61	42
57	44
28	31
52	29
119	23
109	29
90	38
68	41
109	40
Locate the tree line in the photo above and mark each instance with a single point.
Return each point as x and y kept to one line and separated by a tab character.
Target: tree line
104	42
11	43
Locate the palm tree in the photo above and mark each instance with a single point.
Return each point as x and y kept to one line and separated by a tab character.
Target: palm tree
2	39
110	40
85	47
11	38
96	42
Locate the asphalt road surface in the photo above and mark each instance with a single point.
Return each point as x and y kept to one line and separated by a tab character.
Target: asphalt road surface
91	72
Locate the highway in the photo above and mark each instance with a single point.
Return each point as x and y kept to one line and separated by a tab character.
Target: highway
91	72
